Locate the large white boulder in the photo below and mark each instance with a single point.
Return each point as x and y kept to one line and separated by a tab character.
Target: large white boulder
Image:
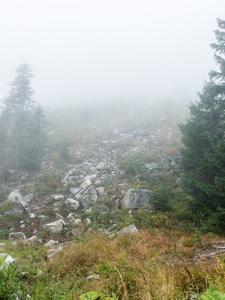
55	227
72	204
129	229
136	198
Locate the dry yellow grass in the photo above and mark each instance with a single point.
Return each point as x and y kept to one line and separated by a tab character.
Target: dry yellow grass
141	266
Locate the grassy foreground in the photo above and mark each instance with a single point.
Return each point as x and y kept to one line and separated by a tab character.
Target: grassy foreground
149	265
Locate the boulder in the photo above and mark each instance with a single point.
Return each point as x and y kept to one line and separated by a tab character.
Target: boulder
85	184
16	237
15	196
32	241
103	209
136	198
85	203
77	221
14	205
72	204
54	227
90	194
129	229
29	198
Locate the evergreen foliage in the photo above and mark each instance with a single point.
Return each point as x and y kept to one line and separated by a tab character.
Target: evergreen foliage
21	120
203	155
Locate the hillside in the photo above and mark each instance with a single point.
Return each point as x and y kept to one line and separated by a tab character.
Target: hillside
106	213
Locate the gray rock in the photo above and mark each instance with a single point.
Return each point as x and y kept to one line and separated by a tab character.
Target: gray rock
77	221
136	198
72	204
101	190
74	191
15	196
54	227
57	197
129	229
85	203
103	209
50	243
16	237
32	241
11	208
29	198
85	184
91	195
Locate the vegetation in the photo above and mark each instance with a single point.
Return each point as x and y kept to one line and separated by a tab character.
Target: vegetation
21	122
203	160
149	265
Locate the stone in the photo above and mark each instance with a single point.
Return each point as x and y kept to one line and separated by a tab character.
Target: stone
74	191
77	221
16	237
72	204
85	184
101	190
136	198
88	221
14	205
85	203
71	217
93	277
11	208
15	196
100	166
29	198
50	243
91	195
103	209
129	229
32	241
57	197
8	262
54	227
41	216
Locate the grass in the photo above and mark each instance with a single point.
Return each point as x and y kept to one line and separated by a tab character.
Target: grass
148	265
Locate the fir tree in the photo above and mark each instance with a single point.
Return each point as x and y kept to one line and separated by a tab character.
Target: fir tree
203	136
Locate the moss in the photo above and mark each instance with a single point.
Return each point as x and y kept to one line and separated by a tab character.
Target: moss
8	206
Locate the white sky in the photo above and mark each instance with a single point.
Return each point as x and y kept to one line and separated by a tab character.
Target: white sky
101	50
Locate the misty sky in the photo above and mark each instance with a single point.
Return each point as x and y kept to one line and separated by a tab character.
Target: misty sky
104	50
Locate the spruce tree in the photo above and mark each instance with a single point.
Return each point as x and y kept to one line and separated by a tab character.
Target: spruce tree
23	120
203	137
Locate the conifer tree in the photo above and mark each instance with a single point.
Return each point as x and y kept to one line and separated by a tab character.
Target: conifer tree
203	137
23	119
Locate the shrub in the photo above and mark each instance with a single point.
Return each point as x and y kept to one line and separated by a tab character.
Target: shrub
162	198
10	285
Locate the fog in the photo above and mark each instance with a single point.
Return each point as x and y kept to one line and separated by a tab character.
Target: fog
88	51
